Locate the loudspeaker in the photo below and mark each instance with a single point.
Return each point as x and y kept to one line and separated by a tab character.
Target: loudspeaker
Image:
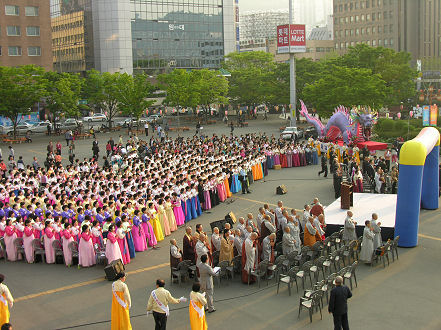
231	218
281	190
113	269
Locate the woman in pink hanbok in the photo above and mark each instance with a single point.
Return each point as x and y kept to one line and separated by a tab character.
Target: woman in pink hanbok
221	189
122	242
10	236
38	228
67	238
138	235
48	239
86	253
19	226
28	237
75	230
148	229
177	210
97	233
113	251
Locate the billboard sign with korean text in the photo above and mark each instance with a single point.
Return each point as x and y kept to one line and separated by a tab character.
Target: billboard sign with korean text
297	38
283	39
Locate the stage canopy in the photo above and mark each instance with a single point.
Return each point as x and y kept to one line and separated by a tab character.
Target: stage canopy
372	145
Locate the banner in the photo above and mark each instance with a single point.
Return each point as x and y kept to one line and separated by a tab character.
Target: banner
426	115
283	39
297	38
433	115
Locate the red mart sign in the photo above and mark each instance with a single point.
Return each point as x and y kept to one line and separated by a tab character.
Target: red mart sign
297	38
291	38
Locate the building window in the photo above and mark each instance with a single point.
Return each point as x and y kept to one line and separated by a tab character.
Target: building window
336	45
362	31
14	51
373	17
0	50
362	5
12	10
390	14
391	42
352	19
391	28
379	29
357	32
362	18
368	30
357	18
374	43
34	51
379	16
352	32
342	45
31	11
347	45
367	3
386	42
13	31
347	19
356	5
374	30
33	31
380	42
368	18
352	44
373	3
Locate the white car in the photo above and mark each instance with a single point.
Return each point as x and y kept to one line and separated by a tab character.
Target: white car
95	117
40	127
152	118
292	132
21	129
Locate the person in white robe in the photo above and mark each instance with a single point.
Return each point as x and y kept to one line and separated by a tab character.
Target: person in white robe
267	244
375	224
216	240
349	233
289	243
367	246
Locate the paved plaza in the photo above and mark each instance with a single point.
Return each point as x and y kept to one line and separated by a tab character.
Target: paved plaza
404	295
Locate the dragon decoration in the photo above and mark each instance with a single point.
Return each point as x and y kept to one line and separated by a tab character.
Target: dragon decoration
353	126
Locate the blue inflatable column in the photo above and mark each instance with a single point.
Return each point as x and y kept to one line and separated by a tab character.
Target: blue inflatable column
430	189
410	181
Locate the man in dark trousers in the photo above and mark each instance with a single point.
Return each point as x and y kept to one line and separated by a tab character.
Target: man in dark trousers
338	304
324	166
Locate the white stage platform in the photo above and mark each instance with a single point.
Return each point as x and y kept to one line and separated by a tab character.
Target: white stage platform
364	205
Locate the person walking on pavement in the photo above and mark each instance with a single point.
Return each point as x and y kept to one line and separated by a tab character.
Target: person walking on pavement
158	304
338	305
206	279
324	166
95	149
146	129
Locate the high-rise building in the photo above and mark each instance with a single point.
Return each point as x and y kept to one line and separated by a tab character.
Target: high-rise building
25	33
261	24
403	25
151	36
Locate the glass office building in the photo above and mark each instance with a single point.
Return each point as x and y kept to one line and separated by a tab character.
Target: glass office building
177	34
151	36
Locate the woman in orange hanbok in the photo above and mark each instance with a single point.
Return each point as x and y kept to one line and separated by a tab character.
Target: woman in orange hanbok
227	187
121	304
196	308
6	301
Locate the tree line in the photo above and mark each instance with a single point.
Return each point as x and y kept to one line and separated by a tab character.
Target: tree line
367	76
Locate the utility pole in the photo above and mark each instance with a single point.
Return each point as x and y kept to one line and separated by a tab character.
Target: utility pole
292	74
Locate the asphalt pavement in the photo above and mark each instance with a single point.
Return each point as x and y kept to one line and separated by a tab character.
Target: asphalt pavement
403	295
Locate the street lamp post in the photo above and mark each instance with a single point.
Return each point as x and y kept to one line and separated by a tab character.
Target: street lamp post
292	75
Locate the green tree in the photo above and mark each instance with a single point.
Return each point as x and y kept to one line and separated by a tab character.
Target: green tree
393	67
210	86
20	89
345	86
103	91
63	91
180	88
133	96
251	77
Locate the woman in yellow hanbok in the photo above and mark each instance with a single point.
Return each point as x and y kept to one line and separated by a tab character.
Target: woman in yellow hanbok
196	308
6	301
121	303
170	215
163	218
153	215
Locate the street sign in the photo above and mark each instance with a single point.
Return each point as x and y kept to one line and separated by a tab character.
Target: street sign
297	38
283	39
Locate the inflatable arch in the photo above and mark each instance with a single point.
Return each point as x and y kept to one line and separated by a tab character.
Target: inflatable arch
418	184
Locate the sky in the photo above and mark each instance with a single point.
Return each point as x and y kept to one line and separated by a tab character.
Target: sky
252	5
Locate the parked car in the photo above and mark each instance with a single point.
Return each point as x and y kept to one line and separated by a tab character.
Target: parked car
21	129
72	123
40	127
311	131
292	132
156	117
95	117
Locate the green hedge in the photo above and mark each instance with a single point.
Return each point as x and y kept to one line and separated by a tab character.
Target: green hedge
388	130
